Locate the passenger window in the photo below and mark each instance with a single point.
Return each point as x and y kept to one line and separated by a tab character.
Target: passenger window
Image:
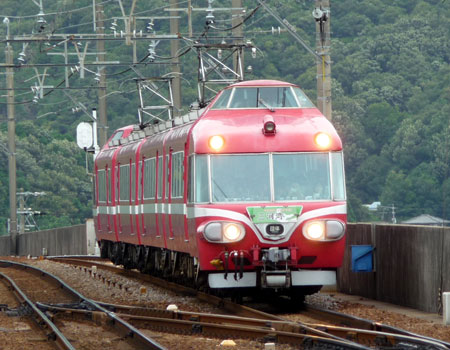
149	178
125	182
177	175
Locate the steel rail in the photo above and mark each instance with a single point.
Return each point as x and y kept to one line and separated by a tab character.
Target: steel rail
224	304
219	326
56	335
279	331
122	326
361	323
358	329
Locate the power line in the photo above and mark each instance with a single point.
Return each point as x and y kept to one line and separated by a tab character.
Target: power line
55	13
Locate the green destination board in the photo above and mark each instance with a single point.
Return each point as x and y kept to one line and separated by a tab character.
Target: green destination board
267	215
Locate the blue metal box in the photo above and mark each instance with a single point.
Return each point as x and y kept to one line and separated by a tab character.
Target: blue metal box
362	257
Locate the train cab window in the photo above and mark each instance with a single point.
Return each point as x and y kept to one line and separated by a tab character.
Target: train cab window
303	100
301	176
276	97
149	178
240	178
101	179
222	101
263	97
244	98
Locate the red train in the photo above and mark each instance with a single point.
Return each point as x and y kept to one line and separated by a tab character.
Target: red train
248	192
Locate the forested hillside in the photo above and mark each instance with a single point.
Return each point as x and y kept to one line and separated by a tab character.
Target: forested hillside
391	96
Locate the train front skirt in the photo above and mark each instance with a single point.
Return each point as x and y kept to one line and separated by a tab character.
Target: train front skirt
272	279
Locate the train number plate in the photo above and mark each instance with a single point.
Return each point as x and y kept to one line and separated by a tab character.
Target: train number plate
267	215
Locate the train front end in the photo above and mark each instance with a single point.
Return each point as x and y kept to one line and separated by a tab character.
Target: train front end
267	190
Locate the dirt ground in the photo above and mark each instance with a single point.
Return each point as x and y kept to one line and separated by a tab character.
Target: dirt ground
18	333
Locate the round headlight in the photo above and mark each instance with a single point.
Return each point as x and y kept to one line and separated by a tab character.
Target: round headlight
216	142
222	232
314	230
231	232
323	140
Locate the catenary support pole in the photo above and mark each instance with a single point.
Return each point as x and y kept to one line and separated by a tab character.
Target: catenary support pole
236	20
323	46
103	119
11	148
174	52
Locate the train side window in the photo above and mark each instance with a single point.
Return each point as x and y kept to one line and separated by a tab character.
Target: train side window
110	185
338	179
117	135
191	178
140	169
125	182
166	178
133	182
201	179
160	176
117	183
101	178
149	178
177	175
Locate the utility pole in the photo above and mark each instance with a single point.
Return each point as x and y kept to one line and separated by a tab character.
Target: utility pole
103	119
174	47
238	31
21	212
321	14
11	143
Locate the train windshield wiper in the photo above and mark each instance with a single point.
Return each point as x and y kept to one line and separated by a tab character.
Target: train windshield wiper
265	104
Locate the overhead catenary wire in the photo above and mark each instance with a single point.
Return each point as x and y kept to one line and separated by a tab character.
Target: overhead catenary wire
250	15
55	13
112	18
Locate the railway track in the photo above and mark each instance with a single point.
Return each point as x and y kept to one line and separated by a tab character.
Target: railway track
332	329
31	285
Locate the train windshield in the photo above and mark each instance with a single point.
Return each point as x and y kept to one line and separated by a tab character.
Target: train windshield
263	97
277	177
240	178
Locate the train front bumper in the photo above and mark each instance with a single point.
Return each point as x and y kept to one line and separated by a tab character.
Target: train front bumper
272	279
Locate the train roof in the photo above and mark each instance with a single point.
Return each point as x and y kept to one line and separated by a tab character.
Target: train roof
296	126
260	82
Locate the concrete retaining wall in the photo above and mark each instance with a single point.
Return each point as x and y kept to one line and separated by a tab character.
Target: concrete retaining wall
60	241
5	245
411	265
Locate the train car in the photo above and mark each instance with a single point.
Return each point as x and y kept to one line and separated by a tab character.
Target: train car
248	192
